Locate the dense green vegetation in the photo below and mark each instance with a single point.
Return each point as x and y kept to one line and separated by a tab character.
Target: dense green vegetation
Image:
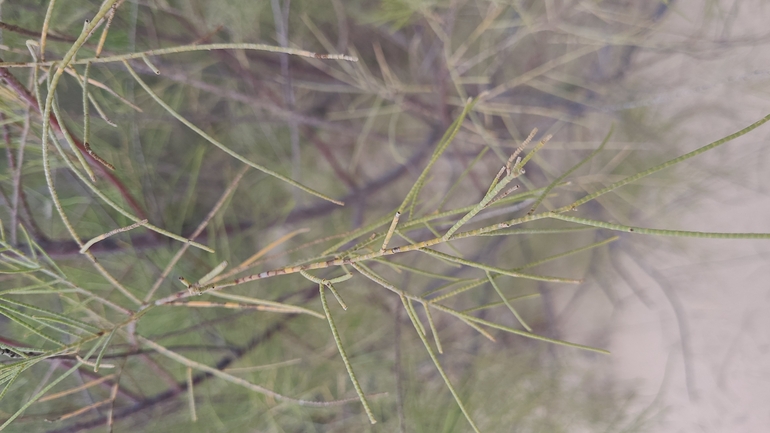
471	143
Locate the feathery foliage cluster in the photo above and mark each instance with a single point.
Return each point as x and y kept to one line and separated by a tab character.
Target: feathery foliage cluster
176	213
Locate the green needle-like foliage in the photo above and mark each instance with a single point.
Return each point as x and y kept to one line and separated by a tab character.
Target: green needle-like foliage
152	256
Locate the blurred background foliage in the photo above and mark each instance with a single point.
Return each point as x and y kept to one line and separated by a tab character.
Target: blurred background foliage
361	133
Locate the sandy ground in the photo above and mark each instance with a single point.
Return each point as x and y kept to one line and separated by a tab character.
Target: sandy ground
696	345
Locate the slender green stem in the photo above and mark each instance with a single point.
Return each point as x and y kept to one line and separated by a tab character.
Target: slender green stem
559	179
210	47
658	232
665	165
568	253
507	304
410	311
328	283
501	303
345	360
106	343
433	329
448	137
221	146
272	304
368	273
481	205
470	318
46	25
497	270
473	284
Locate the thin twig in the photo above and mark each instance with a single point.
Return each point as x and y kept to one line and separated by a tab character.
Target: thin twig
101	237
